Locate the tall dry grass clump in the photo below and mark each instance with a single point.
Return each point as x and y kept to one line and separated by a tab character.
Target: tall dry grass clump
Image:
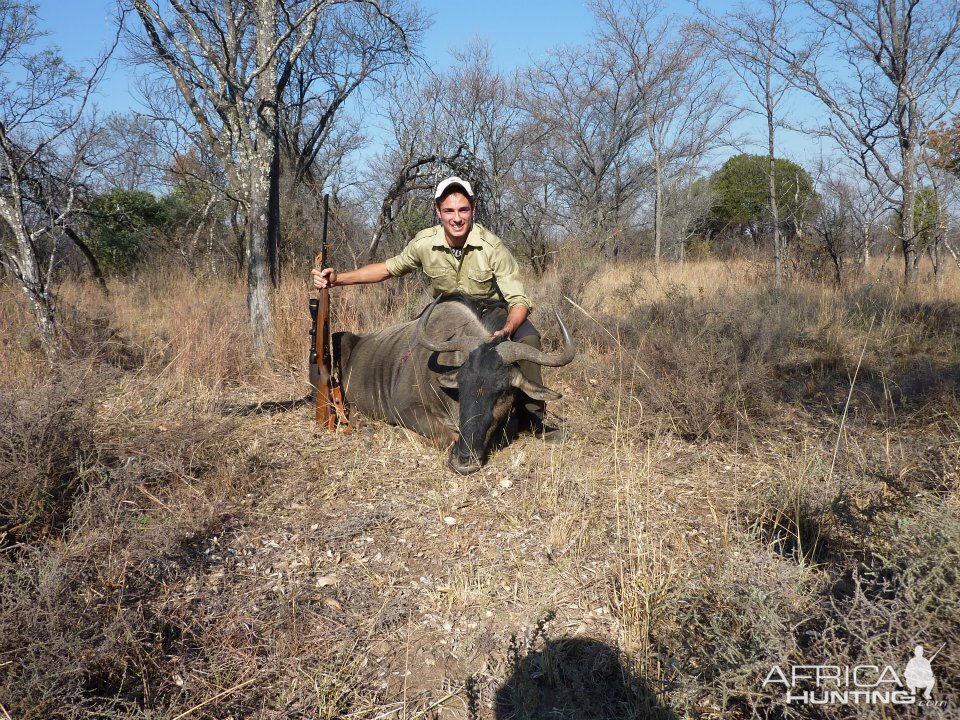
107	516
840	407
186	329
752	477
19	341
48	456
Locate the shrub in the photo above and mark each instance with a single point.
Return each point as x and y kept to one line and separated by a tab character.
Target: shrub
734	621
47	453
121	221
709	366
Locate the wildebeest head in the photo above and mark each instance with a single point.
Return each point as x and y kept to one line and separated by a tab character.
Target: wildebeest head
485	380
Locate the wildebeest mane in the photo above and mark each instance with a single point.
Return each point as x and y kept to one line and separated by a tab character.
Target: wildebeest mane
492	313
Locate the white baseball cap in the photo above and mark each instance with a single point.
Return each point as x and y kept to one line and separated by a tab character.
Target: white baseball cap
444	184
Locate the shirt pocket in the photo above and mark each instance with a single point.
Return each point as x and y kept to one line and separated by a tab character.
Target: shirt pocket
442	279
479	282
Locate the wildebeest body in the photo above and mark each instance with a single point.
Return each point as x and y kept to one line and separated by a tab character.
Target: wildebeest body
388	375
442	378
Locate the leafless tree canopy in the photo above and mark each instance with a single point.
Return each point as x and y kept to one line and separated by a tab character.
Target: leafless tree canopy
250	72
898	75
45	150
252	109
681	97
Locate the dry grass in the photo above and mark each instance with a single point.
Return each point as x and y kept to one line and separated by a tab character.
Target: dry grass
721	508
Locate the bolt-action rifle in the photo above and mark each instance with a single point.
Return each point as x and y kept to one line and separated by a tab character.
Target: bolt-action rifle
331	409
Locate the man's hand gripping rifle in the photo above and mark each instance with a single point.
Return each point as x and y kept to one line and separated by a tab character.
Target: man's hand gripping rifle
331	408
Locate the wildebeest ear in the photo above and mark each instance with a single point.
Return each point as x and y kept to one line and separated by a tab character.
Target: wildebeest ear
532	389
448	380
451	359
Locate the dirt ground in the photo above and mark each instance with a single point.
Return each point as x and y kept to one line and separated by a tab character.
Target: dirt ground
649	566
446	590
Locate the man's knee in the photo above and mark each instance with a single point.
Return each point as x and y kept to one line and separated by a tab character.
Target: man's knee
532	370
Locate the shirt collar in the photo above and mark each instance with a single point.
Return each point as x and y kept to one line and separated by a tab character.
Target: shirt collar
475	239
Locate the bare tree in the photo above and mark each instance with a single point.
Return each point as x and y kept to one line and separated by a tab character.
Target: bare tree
462	122
932	218
231	63
352	56
409	171
484	110
590	126
868	207
679	94
348	51
748	39
835	224
687	199
43	148
903	58
130	155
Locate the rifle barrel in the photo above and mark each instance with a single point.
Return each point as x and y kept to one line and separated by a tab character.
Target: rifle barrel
321	334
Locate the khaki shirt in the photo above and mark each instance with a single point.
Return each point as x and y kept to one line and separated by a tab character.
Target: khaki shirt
487	271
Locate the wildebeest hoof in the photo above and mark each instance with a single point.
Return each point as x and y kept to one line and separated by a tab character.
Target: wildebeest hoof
552	435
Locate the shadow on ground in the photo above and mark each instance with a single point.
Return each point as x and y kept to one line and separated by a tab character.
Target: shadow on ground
576	679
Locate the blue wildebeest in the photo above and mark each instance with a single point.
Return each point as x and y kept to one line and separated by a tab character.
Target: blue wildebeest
443	378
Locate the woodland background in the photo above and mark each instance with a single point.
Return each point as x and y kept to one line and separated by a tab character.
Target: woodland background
763	461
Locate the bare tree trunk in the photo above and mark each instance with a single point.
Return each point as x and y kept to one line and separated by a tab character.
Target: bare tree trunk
88	255
937	252
953	253
28	273
772	191
865	251
657	206
905	122
273	212
905	225
26	266
262	224
258	264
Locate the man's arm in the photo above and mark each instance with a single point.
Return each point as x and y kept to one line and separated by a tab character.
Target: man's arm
515	318
328	277
506	270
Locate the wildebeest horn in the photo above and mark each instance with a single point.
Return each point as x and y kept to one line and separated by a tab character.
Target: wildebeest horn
465	344
512	351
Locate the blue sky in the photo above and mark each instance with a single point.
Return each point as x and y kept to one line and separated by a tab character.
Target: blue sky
516	30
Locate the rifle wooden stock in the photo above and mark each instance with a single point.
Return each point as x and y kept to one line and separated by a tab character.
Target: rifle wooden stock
323	370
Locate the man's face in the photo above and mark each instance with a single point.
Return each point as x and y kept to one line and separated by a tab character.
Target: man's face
456	216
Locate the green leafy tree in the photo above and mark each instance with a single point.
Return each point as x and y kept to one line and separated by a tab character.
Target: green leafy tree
927	218
741	189
121	223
